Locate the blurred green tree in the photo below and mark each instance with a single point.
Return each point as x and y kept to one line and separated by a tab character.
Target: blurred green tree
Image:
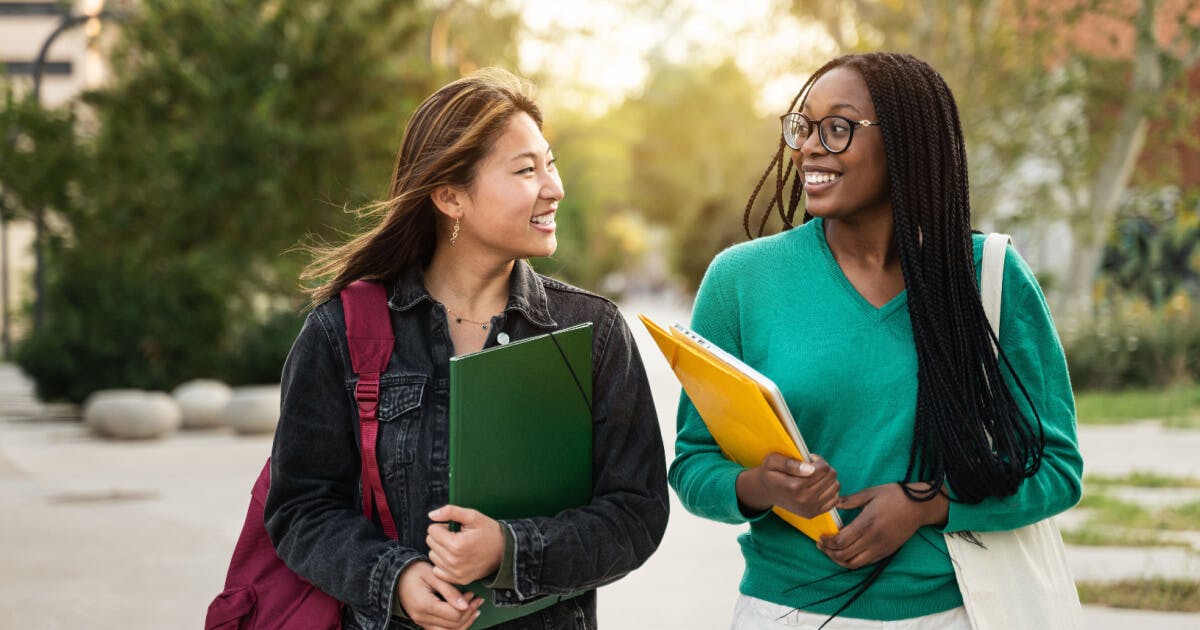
36	147
229	131
233	127
702	149
1063	91
594	163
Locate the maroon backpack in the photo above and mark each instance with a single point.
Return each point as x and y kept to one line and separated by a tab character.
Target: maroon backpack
261	592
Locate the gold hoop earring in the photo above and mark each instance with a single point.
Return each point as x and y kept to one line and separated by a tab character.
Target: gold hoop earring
454	231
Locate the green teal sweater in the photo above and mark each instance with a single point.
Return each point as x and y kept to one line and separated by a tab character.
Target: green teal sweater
849	373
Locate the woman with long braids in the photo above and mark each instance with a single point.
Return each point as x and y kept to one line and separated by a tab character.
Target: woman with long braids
868	317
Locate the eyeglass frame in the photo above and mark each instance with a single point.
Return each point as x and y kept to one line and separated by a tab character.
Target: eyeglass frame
816	124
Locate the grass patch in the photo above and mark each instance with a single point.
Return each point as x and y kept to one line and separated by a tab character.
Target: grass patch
1177	406
1116	522
1140	479
1110	512
1118	538
1184	517
1149	594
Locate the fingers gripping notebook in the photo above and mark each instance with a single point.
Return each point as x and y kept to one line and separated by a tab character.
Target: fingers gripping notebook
743	409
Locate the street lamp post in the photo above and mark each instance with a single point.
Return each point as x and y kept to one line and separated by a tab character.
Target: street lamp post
5	342
68	22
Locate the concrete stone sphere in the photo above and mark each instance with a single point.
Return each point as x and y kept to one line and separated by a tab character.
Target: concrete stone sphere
130	414
253	409
98	407
202	402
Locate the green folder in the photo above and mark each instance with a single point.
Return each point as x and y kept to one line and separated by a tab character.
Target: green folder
521	435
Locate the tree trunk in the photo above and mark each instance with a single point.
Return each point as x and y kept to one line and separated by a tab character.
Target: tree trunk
1093	223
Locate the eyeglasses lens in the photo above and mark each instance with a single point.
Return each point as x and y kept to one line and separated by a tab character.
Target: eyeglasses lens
835	132
795	130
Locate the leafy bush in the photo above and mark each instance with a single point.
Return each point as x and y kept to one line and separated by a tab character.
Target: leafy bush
1131	344
116	325
1154	249
111	324
257	350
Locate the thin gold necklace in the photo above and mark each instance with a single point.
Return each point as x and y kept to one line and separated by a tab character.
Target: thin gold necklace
458	319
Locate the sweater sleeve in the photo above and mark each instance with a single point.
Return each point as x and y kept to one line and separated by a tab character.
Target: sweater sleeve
702	477
1031	344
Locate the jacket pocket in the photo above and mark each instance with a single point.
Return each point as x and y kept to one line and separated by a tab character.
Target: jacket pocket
400	398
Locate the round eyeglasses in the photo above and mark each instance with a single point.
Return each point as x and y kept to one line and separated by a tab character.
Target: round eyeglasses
835	131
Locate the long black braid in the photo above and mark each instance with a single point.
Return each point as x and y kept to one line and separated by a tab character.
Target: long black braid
969	436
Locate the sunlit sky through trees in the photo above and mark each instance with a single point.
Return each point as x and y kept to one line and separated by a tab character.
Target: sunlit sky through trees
591	54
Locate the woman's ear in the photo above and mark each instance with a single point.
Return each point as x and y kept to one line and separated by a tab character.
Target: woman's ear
449	201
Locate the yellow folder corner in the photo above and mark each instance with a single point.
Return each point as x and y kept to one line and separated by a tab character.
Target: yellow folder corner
736	411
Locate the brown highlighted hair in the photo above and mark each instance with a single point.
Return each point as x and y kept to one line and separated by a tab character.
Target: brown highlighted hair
451	132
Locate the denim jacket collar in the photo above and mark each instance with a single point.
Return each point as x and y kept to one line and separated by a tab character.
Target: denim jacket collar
526	295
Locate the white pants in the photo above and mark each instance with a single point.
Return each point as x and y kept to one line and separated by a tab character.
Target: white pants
752	613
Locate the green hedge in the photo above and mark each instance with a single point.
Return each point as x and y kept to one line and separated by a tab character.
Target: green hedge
258	346
1128	343
111	324
148	327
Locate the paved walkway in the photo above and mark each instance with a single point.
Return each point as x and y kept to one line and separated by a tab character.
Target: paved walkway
133	535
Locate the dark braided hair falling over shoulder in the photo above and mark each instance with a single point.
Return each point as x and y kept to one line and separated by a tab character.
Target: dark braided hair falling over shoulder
969	433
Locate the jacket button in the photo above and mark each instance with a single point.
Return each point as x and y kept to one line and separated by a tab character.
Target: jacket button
502	338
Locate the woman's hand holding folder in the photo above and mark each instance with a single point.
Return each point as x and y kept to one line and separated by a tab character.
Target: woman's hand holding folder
807	489
471	553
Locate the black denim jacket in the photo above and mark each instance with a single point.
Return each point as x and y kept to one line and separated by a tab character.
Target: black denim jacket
313	511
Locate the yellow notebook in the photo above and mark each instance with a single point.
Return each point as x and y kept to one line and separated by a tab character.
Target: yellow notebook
744	410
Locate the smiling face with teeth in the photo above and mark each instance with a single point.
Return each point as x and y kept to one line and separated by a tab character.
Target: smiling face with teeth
509	209
850	185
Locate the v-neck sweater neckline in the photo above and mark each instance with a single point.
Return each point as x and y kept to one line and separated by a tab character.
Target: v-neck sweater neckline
869	310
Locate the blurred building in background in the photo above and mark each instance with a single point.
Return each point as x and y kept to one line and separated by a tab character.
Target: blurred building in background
73	62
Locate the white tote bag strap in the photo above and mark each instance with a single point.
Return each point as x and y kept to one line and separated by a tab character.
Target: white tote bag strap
1019	578
991	284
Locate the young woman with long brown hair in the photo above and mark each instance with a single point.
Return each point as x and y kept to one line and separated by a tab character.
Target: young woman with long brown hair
475	192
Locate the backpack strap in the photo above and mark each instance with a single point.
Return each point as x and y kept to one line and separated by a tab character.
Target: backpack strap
370	337
991	282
